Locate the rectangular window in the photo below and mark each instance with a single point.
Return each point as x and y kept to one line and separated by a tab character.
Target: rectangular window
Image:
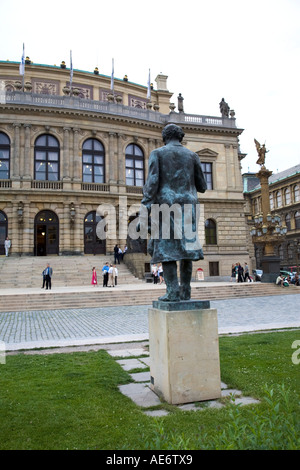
207	170
214	268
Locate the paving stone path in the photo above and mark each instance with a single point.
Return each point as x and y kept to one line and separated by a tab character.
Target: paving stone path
140	393
50	328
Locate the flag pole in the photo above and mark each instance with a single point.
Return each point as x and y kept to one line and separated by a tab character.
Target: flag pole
112	86
149	88
71	73
22	67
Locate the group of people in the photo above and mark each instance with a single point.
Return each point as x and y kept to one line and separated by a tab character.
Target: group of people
157	273
109	275
119	254
285	281
240	274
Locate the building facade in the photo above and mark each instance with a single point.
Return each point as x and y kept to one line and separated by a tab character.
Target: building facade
284	189
66	152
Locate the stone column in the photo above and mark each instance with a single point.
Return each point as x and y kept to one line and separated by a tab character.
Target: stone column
27	174
112	163
16	152
66	154
77	231
66	242
121	160
76	160
27	238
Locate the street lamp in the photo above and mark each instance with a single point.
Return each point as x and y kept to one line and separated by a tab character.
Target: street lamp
72	213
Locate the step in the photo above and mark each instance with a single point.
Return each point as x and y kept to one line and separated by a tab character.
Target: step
118	297
67	271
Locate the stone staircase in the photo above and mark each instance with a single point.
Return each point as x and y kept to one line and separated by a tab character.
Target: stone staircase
26	272
72	286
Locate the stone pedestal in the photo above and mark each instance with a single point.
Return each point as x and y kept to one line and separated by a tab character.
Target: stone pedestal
184	351
271	268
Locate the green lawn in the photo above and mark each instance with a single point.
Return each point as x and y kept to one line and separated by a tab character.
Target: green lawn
72	401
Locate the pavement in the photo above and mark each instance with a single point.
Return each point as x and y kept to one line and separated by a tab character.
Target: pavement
24	330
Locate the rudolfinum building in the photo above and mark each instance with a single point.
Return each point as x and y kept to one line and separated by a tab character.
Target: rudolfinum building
66	151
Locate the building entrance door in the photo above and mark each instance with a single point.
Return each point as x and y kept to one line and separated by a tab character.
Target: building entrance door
46	234
3	232
92	244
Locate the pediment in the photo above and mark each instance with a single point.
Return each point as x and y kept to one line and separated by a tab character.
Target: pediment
207	153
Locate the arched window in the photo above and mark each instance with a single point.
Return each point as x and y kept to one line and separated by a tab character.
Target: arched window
280	252
4	156
46	158
93	161
297	219
296	193
288	221
271	201
134	165
278	199
287	196
210	232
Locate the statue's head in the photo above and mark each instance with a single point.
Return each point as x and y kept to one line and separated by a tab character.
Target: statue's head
171	131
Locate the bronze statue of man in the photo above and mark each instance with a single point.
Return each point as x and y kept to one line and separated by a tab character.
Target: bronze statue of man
170	197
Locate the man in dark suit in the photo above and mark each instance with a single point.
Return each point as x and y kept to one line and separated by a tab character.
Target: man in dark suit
174	178
49	272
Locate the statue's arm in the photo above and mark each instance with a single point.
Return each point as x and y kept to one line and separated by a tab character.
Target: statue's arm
151	186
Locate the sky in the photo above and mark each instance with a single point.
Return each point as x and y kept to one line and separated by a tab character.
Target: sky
245	51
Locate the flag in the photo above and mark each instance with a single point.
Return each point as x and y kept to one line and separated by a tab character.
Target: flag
112	76
71	69
149	88
22	63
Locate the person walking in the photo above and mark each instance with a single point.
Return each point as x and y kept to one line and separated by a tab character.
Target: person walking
160	273
232	272
116	275
7	245
49	272
105	270
246	273
94	277
154	274
240	273
116	254
111	276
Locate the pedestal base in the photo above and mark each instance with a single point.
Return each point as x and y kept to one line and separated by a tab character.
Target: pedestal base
184	352
271	268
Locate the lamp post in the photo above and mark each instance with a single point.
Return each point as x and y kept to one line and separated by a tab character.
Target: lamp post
72	213
267	231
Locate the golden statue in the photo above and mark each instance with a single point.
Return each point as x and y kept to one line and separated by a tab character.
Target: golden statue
261	150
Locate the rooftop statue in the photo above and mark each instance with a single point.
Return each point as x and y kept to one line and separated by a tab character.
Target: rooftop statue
224	108
170	198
